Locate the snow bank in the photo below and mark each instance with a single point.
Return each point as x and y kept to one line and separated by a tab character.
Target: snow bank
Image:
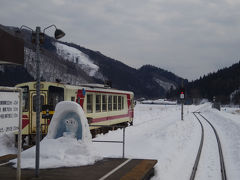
7	144
68	142
61	152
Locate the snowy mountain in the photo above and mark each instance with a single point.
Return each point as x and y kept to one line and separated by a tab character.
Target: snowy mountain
73	64
76	56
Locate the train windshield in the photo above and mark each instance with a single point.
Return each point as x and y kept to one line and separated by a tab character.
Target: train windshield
25	98
35	102
55	95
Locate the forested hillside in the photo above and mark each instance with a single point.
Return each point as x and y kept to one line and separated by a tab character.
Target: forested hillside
223	84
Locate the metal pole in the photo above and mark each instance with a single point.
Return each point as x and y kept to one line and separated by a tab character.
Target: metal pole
38	30
182	101
182	111
123	142
19	137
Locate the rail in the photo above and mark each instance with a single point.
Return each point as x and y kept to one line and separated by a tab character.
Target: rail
123	141
222	164
192	177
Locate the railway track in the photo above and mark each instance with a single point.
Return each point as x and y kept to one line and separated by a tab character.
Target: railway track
222	165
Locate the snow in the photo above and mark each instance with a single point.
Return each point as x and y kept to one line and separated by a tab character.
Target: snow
73	118
159	101
158	133
68	142
166	85
76	56
228	127
61	152
209	156
7	144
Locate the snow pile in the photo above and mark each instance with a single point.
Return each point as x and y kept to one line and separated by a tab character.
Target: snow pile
68	142
7	144
78	57
61	152
69	120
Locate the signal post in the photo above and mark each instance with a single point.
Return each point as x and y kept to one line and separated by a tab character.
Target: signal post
182	102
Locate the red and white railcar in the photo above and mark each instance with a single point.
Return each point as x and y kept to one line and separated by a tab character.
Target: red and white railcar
102	105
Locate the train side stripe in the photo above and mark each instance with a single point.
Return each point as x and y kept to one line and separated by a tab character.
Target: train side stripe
109	118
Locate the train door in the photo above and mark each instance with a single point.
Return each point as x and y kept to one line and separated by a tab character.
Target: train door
33	110
55	95
130	103
26	113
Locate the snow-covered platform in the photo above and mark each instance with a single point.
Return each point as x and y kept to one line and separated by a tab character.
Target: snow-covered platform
110	168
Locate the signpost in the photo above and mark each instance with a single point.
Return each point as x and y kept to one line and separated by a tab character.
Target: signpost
11	117
182	99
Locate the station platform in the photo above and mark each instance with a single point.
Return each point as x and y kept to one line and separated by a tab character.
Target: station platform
108	168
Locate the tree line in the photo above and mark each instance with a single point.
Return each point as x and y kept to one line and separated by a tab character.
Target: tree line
223	85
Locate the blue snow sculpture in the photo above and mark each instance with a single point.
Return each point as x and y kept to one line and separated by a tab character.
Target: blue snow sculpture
69	120
69	125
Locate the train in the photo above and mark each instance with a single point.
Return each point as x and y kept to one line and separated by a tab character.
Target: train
103	106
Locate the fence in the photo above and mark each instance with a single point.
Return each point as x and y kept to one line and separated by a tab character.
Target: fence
123	140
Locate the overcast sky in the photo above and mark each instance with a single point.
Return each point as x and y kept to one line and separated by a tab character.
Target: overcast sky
187	37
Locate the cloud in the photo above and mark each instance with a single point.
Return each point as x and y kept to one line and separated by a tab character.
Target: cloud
187	37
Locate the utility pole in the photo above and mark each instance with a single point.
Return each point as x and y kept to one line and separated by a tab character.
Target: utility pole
37	38
38	30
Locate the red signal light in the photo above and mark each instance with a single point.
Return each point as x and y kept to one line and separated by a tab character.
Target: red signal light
182	92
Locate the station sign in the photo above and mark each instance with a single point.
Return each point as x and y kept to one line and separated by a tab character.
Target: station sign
9	111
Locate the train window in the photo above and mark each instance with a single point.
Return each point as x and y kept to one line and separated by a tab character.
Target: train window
109	103
98	103
78	100
89	103
132	103
35	102
104	103
72	98
114	103
55	95
119	103
25	99
122	102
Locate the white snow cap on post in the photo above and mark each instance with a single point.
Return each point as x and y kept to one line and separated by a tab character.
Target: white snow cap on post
69	120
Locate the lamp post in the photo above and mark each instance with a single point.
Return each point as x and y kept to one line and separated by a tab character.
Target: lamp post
36	36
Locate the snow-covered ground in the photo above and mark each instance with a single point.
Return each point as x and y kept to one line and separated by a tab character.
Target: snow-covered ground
159	101
158	133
